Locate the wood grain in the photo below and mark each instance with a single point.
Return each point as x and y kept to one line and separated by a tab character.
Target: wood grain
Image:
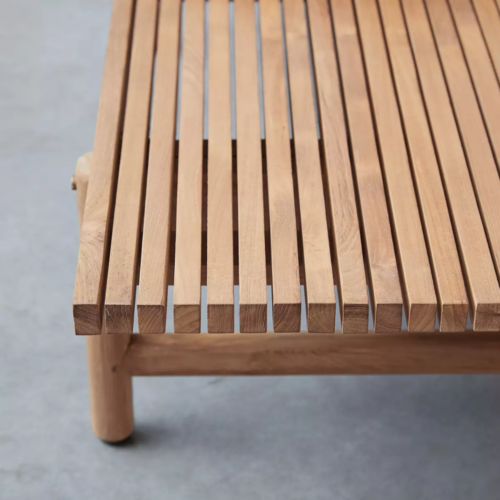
122	272
386	297
283	227
152	299
415	271
479	62
313	354
94	237
450	287
348	252
489	18
187	275
471	239
251	243
220	272
482	167
319	289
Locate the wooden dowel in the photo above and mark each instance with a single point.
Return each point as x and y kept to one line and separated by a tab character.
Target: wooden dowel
110	385
313	354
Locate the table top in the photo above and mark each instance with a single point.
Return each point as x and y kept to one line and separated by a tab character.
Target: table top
349	147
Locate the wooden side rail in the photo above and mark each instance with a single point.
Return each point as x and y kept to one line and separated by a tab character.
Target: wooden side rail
313	354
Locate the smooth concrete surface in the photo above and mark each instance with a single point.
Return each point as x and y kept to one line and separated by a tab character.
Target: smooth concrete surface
293	438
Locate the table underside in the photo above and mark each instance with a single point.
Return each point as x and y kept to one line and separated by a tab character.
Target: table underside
347	147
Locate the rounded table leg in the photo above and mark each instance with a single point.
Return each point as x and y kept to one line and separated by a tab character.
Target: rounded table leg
110	386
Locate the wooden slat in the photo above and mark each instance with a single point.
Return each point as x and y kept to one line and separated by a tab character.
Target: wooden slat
94	236
152	299
484	293
220	272
383	275
283	228
320	354
489	18
416	276
187	274
351	274
319	289
480	66
475	141
450	287
252	252
122	272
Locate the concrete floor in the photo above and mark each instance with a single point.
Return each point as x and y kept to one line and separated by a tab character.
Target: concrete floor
340	438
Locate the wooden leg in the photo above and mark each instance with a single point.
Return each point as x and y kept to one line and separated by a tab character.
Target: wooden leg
110	385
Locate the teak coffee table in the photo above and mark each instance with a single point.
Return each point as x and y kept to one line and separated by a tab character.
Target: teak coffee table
377	178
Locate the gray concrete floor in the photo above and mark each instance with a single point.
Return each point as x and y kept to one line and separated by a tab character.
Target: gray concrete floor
341	438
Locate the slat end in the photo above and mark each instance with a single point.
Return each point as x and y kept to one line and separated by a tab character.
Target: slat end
388	318
220	318
321	318
422	317
119	318
253	318
87	319
355	318
187	318
486	318
152	318
453	317
286	317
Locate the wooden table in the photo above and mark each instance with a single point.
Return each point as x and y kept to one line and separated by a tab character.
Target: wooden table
349	147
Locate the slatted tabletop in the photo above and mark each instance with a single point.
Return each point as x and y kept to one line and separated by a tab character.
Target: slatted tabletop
346	148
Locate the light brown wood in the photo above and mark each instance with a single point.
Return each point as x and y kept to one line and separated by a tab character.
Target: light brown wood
386	298
482	167
415	272
152	299
413	201
313	354
122	271
351	284
220	271
489	17
283	228
450	287
479	62
187	277
319	289
110	384
437	225
94	238
251	244
469	232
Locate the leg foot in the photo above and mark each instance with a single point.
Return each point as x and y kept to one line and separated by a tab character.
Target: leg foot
110	388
